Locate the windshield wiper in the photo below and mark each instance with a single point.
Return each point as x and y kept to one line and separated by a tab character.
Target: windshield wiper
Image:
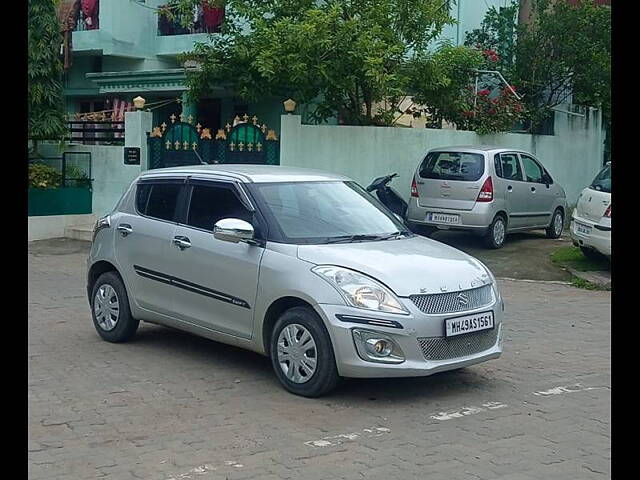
353	238
393	236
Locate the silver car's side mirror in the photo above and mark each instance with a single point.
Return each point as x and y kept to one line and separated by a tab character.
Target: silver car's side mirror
233	230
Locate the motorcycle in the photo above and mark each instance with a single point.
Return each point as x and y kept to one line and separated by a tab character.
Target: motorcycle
389	196
394	202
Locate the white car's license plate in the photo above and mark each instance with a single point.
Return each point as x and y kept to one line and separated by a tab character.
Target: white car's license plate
468	323
446	218
583	229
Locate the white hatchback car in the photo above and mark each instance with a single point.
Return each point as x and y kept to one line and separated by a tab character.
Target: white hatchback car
591	219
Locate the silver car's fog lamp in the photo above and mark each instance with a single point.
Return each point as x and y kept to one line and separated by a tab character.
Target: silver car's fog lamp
377	347
361	291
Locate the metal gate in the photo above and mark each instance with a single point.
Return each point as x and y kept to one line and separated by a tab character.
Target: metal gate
182	143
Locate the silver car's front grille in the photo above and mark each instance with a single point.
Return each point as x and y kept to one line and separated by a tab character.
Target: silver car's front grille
452	302
443	348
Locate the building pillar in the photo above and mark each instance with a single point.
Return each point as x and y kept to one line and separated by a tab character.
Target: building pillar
189	107
137	126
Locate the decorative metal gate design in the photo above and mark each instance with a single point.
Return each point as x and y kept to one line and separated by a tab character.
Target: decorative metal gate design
182	143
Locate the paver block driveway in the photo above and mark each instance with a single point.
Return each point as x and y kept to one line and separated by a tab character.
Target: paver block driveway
170	405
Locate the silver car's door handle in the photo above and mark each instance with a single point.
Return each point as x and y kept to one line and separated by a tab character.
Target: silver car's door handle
125	229
533	189
181	242
509	188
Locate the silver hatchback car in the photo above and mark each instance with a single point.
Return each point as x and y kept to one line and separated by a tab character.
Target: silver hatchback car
303	266
487	190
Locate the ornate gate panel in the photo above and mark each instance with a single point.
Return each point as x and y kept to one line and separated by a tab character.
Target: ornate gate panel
179	144
247	142
182	143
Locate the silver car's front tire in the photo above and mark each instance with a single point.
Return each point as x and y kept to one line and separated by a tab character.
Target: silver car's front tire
554	230
302	354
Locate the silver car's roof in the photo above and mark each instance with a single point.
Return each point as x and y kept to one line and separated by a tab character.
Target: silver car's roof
249	173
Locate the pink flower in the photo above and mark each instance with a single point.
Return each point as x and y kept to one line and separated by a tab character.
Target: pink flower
484	92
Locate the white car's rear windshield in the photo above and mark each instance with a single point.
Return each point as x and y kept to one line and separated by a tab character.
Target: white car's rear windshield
602	182
463	166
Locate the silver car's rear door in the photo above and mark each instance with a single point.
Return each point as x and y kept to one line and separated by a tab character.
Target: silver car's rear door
143	240
513	189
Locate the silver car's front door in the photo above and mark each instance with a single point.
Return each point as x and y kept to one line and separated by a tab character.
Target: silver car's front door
541	196
216	280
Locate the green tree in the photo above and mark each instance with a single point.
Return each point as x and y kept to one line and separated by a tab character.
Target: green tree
46	106
497	33
564	52
349	56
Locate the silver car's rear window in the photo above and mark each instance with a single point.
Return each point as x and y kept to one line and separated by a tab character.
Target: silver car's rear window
463	166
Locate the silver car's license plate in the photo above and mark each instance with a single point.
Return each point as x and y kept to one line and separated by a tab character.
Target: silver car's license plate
443	218
468	323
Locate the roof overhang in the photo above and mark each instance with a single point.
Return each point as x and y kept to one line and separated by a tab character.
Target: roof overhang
169	80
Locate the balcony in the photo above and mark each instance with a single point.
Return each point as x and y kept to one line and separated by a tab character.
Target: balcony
205	20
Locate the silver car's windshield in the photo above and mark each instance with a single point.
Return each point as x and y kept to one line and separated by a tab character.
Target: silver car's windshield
326	212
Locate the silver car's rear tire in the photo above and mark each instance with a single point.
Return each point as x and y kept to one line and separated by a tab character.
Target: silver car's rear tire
302	355
110	309
496	233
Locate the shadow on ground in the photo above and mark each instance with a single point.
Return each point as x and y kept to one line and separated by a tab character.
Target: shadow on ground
525	256
250	366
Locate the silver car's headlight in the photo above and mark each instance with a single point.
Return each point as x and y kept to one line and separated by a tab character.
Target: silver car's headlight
359	290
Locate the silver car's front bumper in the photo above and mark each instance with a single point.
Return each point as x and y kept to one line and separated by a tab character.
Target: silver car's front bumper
417	326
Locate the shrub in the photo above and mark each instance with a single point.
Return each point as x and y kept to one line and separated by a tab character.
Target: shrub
43	176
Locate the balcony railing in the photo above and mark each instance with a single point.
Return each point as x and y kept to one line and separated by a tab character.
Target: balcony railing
205	20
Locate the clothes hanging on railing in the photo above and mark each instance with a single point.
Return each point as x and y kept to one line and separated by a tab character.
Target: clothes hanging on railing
213	17
165	25
90	9
68	11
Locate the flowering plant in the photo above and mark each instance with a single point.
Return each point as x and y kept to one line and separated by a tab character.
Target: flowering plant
488	111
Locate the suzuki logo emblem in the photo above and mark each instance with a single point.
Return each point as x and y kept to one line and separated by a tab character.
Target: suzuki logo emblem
463	300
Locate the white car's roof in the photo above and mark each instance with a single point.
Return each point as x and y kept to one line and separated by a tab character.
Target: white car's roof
476	148
249	173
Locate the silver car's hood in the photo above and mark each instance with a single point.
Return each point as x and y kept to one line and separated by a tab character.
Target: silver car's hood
408	266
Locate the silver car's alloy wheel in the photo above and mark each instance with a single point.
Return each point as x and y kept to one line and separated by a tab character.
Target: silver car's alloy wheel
106	307
498	232
297	353
557	224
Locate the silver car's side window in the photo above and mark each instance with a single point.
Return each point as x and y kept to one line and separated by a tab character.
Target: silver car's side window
532	169
158	200
510	167
213	202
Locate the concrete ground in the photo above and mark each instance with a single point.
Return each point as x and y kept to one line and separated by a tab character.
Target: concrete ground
169	405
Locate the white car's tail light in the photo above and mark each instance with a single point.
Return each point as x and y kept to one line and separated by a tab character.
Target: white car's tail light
486	192
607	212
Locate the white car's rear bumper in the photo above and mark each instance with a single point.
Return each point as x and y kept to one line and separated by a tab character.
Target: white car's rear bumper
599	237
